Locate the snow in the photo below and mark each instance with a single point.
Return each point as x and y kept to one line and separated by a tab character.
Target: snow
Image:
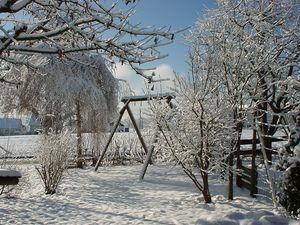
23	145
113	195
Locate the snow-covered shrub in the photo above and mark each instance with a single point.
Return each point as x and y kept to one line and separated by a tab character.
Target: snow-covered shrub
289	192
125	149
289	196
53	159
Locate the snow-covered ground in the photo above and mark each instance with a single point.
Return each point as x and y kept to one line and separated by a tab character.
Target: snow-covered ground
24	145
113	195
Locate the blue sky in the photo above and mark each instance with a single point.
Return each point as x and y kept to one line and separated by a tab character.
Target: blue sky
177	14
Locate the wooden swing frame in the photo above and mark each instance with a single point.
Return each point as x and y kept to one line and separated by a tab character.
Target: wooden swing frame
127	100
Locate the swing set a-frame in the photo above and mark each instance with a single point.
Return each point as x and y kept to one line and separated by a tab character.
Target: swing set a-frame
127	100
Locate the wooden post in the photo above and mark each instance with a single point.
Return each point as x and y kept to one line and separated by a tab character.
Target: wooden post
253	190
230	178
169	102
268	146
238	162
148	157
112	134
137	131
79	159
155	138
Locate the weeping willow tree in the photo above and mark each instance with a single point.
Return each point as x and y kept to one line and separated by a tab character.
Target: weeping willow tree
64	92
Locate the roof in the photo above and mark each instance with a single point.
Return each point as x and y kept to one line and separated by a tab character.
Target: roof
10	123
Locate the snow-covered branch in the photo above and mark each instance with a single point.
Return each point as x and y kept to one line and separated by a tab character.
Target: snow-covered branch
64	27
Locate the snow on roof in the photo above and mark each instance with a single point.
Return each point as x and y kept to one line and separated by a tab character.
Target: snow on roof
9	173
11	123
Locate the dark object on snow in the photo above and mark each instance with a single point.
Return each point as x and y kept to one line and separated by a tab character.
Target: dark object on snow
289	193
9	177
289	196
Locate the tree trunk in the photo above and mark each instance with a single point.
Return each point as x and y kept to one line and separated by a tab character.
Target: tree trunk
79	161
95	137
206	193
263	117
266	141
230	178
253	190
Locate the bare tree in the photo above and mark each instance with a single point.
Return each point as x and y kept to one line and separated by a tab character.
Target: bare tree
65	93
63	27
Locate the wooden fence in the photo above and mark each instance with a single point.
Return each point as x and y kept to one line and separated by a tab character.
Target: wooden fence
247	177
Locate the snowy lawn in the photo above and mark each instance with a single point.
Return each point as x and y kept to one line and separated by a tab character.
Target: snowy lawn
113	195
24	145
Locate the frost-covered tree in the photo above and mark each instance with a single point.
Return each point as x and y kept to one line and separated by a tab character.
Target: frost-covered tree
89	88
242	56
66	91
198	131
253	46
214	56
272	31
62	27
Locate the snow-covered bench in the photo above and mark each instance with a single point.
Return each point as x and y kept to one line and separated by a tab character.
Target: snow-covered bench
9	177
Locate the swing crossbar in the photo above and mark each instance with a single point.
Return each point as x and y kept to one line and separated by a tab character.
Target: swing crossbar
141	98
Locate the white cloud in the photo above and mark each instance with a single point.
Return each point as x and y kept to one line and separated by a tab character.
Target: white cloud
165	73
140	86
126	73
123	71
